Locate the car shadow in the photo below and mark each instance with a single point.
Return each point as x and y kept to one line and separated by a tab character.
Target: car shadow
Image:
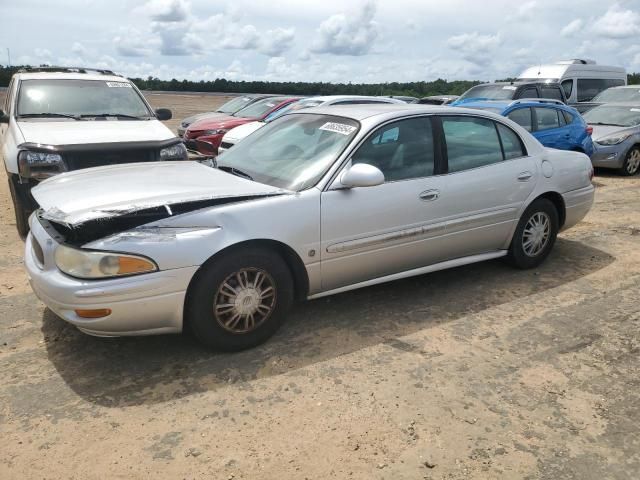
147	370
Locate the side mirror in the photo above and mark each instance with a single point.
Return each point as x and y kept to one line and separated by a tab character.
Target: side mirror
163	114
4	118
362	175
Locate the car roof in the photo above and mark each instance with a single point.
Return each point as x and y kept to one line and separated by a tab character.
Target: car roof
69	76
331	98
363	111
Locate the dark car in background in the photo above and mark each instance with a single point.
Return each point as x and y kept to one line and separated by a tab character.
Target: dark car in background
512	91
438	99
229	108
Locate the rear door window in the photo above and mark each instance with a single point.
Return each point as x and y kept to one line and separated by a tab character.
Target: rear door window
511	144
471	143
529	92
522	116
567	86
546	118
551	92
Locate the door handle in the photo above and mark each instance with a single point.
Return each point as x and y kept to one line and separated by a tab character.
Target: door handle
429	195
524	176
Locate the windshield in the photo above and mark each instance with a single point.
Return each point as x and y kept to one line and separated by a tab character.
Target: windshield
260	108
292	152
490	92
232	106
293	107
612	95
613	115
80	98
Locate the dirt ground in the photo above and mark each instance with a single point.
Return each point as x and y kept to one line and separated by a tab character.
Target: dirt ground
480	372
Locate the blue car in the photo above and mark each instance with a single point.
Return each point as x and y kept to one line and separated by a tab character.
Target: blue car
553	123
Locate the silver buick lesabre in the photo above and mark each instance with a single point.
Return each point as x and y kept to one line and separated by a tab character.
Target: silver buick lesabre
313	204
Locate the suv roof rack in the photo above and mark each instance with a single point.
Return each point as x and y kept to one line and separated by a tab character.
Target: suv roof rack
100	71
539	100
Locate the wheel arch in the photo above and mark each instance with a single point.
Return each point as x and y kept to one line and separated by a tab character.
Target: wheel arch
288	255
558	202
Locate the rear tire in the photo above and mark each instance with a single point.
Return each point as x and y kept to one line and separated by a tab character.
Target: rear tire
631	164
535	235
21	212
239	300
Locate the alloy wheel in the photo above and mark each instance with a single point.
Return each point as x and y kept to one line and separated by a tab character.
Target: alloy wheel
633	162
244	300
536	234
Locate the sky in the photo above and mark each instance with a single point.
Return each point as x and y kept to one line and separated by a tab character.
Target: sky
330	40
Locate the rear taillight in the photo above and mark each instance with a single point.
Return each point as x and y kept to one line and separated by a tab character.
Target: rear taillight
589	130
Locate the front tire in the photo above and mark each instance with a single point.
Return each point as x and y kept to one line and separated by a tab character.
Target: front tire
535	235
631	164
21	212
239	300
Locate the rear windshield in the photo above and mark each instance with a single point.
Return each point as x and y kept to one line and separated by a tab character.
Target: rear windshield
618	116
490	92
612	95
79	98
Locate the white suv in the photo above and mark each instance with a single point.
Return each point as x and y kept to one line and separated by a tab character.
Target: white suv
59	119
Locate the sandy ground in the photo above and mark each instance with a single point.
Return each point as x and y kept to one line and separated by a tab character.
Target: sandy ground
480	372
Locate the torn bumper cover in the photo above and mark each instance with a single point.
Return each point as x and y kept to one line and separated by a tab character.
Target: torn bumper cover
145	304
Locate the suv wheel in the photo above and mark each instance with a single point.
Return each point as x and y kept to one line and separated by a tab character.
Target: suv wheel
631	164
535	235
239	300
21	211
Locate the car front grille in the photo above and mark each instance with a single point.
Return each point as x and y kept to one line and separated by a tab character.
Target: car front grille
77	160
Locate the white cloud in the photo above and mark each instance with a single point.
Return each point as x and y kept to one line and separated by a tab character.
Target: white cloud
43	53
242	38
277	41
571	28
526	10
167	10
474	47
78	49
132	43
176	39
618	23
352	34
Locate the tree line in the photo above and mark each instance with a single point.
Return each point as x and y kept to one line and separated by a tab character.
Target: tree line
222	85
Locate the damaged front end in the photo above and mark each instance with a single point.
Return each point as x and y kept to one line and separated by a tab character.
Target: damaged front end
110	223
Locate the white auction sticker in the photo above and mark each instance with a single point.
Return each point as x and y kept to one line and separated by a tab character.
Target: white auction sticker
340	128
118	84
509	87
634	110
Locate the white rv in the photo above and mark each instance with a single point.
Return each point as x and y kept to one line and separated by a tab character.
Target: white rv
581	79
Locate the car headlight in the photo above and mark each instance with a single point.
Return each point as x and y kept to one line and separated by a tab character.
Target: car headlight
40	165
175	152
613	139
88	264
219	131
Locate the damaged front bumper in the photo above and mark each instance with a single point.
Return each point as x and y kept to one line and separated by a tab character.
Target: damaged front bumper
146	304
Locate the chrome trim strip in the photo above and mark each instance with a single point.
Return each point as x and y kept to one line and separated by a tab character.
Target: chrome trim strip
385	238
416	271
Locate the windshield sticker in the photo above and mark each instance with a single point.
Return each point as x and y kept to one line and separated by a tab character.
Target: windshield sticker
635	110
340	128
118	84
508	87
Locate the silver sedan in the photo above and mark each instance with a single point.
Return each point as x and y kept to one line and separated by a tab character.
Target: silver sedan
315	203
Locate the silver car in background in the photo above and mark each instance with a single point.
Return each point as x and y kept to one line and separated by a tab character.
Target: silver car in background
315	203
616	136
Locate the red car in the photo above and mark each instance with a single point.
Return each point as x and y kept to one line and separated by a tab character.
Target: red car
205	135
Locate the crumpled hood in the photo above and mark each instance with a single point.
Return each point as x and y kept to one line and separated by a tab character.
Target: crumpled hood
103	192
93	131
601	131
